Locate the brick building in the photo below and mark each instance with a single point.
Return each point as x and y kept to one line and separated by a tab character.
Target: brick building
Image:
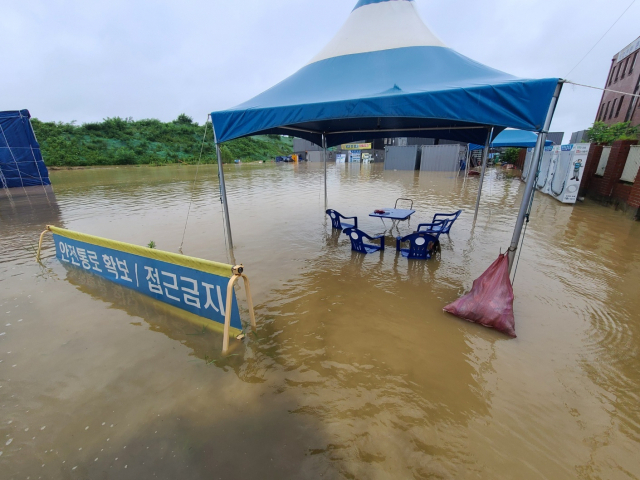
611	175
624	76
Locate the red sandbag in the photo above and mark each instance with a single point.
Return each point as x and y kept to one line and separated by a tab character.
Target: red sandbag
490	301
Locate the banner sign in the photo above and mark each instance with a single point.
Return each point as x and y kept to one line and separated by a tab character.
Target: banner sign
629	49
356	146
191	284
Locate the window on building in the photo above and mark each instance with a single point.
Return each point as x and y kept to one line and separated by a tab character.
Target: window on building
613	107
613	72
599	117
632	106
619	106
624	69
606	110
633	63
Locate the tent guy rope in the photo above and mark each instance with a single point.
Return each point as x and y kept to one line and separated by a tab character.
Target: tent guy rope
193	188
603	89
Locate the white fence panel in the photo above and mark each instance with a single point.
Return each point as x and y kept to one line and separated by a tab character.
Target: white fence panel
633	164
604	159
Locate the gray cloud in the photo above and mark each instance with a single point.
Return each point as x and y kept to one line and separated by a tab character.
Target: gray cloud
85	60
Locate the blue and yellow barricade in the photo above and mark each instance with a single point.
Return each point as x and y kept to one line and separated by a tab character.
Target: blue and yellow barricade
188	283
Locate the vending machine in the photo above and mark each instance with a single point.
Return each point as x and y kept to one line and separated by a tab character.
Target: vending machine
355	156
547	167
566	177
527	164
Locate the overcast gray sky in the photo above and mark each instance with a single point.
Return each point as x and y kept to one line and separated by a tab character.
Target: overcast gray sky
85	60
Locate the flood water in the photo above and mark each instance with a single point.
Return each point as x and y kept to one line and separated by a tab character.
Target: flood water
355	372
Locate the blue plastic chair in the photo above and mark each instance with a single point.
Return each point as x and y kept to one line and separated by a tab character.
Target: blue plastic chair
357	241
422	246
441	223
337	224
436	228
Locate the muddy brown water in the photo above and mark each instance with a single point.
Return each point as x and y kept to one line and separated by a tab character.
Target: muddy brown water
355	371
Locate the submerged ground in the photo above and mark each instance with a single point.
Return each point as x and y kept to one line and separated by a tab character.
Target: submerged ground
355	371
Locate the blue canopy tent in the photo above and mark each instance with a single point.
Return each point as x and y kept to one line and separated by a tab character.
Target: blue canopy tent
21	163
513	138
385	74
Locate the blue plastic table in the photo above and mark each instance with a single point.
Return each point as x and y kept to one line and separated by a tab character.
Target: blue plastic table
395	215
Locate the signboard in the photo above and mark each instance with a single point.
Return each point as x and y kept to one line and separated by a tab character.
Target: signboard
582	148
341	157
629	49
356	146
569	170
191	284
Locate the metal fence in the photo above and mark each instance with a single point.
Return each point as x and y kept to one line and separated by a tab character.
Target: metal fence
442	158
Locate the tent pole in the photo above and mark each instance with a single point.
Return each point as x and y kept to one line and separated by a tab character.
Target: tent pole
466	170
485	156
324	148
532	177
223	191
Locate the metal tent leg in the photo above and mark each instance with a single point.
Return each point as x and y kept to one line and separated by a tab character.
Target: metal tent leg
485	156
532	178
324	149
466	170
223	192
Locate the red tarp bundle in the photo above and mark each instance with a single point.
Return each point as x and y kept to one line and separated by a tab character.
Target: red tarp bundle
490	301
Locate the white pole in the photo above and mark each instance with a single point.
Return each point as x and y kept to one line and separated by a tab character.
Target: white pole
485	156
223	190
324	148
532	177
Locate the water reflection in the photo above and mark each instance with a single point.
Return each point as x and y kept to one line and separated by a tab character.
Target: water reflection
202	338
24	213
357	354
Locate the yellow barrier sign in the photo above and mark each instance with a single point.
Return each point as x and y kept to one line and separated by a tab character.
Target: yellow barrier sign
356	146
192	284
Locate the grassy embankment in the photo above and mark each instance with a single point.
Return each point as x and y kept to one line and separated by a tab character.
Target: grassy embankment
117	141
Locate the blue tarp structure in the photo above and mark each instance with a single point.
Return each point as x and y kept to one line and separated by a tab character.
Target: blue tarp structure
385	74
513	138
21	163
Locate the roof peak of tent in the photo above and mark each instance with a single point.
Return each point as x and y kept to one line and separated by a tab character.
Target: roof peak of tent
362	3
376	25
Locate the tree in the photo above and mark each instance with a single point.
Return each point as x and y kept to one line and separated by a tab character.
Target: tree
600	132
124	141
511	155
183	119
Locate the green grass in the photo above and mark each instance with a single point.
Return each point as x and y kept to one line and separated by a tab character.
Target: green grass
118	141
